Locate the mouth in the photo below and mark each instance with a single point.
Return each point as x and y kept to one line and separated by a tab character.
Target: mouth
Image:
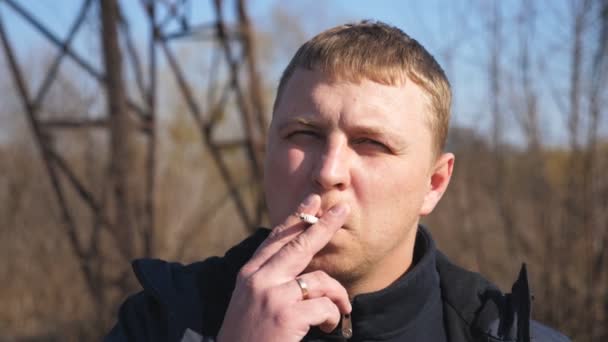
328	202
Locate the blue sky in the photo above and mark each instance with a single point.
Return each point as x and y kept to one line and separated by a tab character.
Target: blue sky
446	28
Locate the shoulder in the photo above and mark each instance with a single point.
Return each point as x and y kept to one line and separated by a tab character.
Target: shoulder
178	301
476	310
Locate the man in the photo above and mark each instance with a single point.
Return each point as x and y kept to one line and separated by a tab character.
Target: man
356	144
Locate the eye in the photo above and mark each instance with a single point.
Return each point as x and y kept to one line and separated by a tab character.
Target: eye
370	143
302	134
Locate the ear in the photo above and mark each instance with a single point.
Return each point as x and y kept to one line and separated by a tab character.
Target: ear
439	180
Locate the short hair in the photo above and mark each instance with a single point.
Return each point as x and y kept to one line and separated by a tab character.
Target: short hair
381	53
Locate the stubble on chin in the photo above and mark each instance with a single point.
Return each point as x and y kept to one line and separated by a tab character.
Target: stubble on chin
339	266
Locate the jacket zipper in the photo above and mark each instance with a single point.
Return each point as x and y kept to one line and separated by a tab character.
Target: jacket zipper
347	326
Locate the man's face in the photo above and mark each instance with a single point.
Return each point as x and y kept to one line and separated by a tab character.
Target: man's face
367	145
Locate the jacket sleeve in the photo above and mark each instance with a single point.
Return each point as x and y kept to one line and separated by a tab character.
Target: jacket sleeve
140	319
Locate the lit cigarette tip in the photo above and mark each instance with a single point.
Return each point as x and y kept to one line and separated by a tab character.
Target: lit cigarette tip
310	219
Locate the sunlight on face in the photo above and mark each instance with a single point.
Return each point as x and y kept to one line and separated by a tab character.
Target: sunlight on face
367	145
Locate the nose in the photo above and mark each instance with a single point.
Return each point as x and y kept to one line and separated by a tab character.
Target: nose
333	167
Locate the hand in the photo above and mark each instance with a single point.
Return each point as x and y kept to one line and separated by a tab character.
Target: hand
267	303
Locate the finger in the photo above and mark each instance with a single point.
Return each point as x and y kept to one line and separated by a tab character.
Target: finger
283	233
295	255
320	312
319	284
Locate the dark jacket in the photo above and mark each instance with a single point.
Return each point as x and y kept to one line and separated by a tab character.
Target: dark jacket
188	303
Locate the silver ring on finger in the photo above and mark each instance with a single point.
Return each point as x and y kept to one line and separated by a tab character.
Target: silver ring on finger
303	288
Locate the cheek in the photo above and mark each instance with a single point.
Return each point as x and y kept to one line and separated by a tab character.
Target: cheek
389	192
283	161
294	158
283	180
384	177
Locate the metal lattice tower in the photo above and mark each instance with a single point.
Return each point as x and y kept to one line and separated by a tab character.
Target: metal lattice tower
128	117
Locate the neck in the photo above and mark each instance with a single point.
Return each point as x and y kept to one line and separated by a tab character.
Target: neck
387	271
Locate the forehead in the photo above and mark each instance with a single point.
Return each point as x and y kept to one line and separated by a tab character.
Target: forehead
317	96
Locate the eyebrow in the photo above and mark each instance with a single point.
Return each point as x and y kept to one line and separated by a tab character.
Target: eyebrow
301	120
372	131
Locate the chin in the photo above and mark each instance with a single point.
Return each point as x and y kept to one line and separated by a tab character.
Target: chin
337	265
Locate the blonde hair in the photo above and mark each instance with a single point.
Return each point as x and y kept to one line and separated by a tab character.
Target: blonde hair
381	53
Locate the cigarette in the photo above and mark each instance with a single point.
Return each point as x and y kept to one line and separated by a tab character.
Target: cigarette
310	219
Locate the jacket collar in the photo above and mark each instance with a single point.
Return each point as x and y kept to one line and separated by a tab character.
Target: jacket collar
396	307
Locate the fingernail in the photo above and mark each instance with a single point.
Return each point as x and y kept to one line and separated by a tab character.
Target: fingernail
338	210
308	200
